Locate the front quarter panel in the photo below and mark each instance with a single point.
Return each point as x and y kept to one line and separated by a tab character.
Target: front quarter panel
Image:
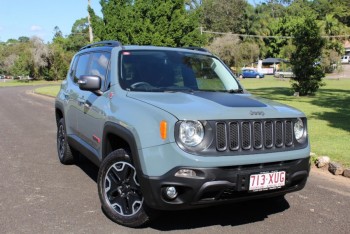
142	119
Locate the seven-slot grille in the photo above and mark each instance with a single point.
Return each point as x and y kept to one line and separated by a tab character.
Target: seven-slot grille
253	134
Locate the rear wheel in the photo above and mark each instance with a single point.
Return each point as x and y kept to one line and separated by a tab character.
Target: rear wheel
257	76
66	154
120	192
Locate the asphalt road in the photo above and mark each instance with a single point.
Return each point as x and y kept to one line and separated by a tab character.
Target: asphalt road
39	195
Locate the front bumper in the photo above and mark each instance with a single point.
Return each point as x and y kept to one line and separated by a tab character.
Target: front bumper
220	185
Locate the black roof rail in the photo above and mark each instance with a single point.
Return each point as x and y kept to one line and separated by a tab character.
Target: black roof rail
196	48
103	43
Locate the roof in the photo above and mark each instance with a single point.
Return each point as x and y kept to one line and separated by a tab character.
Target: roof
272	60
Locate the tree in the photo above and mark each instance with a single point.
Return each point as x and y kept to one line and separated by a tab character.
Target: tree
57	33
305	60
227	48
156	22
18	59
40	54
23	39
223	15
58	62
79	36
117	20
91	36
233	51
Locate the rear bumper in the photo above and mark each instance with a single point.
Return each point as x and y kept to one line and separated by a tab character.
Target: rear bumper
220	185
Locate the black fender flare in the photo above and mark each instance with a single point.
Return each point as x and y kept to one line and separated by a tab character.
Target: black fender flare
58	106
125	134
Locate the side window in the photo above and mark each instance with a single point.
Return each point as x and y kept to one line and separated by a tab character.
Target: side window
99	67
81	69
72	68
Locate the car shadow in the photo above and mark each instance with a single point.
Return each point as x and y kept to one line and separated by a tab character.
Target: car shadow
233	214
88	167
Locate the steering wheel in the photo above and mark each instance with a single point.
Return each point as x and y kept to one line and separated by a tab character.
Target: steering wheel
142	83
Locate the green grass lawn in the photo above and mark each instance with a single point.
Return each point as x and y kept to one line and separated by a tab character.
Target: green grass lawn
12	83
328	112
48	90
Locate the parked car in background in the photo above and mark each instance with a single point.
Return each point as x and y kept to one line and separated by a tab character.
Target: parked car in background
284	74
251	73
345	59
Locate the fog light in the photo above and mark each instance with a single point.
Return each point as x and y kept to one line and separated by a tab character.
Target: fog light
171	192
185	173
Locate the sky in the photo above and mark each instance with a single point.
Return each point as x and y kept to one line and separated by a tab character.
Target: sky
39	17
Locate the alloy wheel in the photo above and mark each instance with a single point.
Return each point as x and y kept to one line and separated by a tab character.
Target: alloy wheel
122	190
61	140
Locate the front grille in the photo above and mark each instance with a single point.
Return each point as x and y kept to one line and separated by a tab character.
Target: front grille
253	135
234	136
221	136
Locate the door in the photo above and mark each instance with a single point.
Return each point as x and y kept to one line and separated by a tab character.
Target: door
93	107
72	93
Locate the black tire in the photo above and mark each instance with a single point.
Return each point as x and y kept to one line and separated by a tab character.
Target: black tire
119	190
66	154
281	76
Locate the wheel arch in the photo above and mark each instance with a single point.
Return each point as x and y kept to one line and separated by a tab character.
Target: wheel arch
58	112
115	137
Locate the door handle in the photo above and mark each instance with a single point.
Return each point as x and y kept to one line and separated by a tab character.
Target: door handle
87	104
65	95
81	101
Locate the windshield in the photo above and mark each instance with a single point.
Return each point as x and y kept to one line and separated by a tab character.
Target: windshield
158	71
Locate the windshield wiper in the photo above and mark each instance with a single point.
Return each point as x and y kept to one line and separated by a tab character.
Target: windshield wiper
180	89
235	90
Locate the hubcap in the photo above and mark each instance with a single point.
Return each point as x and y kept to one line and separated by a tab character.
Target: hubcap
122	190
61	141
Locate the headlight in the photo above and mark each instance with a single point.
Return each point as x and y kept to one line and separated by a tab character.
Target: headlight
299	129
191	133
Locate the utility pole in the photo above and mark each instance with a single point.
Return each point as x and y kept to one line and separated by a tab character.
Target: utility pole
91	36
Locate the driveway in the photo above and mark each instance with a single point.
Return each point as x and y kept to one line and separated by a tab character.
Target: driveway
344	73
39	195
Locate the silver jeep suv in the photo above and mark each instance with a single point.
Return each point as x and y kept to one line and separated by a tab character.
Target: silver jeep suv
172	128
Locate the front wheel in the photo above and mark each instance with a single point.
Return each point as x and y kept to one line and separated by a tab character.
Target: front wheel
120	192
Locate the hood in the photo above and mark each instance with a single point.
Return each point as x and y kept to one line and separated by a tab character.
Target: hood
215	105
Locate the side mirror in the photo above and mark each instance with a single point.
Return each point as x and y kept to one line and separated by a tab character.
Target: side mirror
90	83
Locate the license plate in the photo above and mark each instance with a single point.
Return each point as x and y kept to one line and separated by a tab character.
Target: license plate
267	181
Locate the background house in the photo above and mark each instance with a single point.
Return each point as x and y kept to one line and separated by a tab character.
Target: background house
347	47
